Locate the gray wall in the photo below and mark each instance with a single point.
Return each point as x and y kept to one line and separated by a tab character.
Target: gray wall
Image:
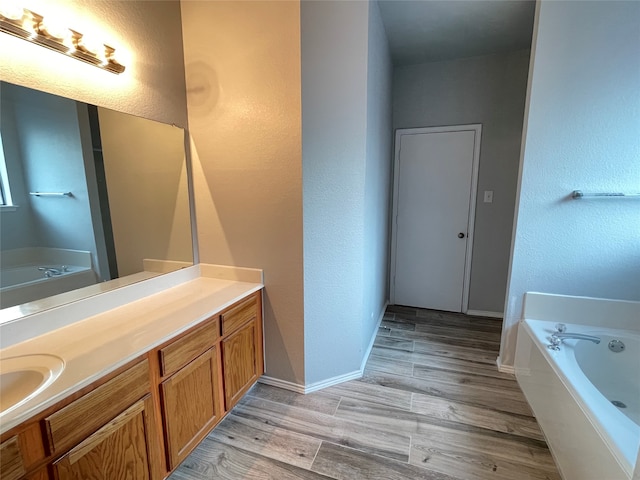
145	172
18	229
377	176
345	193
153	88
147	36
48	141
334	108
489	90
242	63
581	132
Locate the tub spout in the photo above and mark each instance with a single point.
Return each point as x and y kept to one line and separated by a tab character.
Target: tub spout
49	271
578	336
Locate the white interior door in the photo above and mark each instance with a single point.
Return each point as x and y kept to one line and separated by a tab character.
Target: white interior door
435	184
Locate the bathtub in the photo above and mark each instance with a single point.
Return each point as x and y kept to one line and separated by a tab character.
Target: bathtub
25	283
571	393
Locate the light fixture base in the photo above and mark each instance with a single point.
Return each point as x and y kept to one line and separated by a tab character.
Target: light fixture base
16	28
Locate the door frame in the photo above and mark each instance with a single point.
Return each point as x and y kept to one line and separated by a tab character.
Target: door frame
477	128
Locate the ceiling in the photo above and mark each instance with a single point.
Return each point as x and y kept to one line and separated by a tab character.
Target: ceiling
421	31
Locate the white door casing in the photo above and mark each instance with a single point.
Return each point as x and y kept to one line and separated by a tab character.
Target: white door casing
434	195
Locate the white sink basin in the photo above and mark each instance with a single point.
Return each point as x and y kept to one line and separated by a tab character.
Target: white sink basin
24	377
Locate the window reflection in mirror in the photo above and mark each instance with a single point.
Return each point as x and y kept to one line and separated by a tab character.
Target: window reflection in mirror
89	196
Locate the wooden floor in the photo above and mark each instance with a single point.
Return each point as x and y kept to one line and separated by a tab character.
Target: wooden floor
431	405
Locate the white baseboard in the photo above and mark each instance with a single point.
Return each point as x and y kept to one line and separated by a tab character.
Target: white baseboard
276	382
485	313
373	339
313	387
505	368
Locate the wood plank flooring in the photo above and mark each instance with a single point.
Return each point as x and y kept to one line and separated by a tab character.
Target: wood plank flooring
431	405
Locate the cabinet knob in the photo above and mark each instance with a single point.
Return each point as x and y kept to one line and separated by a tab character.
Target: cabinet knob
461	235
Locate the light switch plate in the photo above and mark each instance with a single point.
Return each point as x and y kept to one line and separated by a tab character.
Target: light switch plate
488	196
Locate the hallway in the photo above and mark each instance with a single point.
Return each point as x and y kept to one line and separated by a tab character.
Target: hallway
431	405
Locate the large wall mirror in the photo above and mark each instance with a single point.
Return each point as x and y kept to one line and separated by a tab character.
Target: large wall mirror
92	199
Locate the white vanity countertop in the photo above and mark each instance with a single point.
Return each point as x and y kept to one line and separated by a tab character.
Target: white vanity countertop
98	345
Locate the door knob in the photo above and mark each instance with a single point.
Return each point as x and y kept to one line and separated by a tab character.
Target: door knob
461	235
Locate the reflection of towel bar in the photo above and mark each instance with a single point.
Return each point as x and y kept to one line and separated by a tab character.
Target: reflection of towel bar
580	194
51	194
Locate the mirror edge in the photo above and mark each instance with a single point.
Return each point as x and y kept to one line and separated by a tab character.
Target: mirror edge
23	311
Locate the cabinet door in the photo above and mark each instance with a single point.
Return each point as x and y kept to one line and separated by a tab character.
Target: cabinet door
190	404
240	369
117	451
72	424
11	464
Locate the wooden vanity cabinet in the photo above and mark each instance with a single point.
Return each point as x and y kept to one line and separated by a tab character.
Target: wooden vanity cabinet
119	450
165	402
190	397
12	464
209	368
242	349
70	425
109	433
23	451
239	363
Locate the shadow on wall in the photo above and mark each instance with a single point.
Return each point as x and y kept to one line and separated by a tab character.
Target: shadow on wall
203	89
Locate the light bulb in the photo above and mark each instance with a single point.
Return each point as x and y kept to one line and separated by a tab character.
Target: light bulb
53	30
50	32
11	11
110	55
90	46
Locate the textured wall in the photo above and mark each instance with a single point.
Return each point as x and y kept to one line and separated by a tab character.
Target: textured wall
243	79
148	200
581	133
148	33
51	150
334	109
488	90
18	228
377	186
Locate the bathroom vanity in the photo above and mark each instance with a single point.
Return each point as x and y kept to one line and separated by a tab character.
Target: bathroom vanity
121	375
142	384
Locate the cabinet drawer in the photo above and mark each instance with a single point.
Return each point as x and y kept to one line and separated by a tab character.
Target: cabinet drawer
79	419
239	315
182	351
11	463
118	450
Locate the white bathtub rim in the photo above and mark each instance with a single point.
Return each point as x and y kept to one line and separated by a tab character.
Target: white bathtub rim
73	270
580	310
45	256
624	451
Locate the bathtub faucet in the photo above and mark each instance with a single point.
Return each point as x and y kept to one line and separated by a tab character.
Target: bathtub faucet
558	337
49	272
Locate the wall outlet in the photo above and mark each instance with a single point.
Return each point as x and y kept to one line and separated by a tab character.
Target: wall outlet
488	196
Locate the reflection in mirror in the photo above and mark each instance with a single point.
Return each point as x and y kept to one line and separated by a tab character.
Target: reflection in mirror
89	196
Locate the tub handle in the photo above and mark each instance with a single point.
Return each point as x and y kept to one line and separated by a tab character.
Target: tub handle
561	327
554	343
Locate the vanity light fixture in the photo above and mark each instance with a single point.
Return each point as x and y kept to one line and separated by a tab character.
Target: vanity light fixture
28	25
